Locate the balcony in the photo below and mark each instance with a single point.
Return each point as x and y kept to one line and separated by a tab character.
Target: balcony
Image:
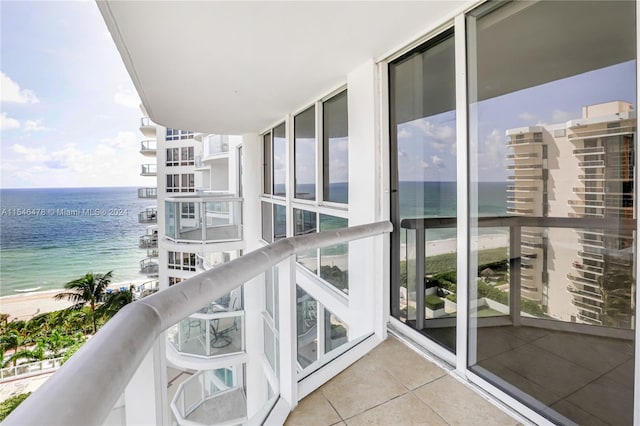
593	191
148	241
215	330
596	177
149	147
524	177
199	164
523	200
602	132
204	219
524	155
587	268
525	166
215	146
597	204
589	151
147	288
149	267
515	210
148	193
149	215
514	188
149	170
523	141
591	164
148	127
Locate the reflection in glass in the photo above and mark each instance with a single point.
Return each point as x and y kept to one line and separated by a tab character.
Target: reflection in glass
422	108
279	222
336	331
304	172
267	170
334	260
279	161
554	125
267	222
335	147
305	223
307	321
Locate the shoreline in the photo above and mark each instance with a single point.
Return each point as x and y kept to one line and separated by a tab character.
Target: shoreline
24	306
449	245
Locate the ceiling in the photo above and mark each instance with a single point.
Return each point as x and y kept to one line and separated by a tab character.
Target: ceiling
235	67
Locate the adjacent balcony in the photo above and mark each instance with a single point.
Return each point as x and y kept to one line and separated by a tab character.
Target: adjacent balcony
148	193
199	164
523	155
147	288
149	170
524	141
148	127
149	215
149	147
203	219
589	151
602	132
149	267
215	145
215	330
513	188
148	241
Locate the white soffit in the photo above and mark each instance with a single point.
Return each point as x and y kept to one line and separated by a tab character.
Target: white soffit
237	67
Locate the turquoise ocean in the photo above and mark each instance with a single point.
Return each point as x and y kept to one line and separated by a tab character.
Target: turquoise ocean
51	236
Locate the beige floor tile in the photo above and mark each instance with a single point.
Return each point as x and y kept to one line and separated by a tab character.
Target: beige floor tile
360	387
459	405
404	410
408	367
313	410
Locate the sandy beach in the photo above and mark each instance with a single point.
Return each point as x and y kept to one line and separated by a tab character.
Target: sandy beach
449	245
26	305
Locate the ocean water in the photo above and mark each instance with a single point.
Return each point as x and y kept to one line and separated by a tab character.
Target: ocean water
51	236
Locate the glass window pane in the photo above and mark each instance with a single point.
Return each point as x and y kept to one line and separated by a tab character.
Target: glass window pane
305	154
336	331
279	161
267	222
552	149
266	152
307	330
335	147
334	260
422	102
279	222
305	223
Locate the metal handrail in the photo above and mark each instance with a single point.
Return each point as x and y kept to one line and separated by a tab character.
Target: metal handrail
87	386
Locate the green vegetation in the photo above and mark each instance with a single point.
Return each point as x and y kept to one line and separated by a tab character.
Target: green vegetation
89	289
441	271
433	302
8	405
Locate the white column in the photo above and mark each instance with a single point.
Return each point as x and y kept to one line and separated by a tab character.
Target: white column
146	394
287	324
366	277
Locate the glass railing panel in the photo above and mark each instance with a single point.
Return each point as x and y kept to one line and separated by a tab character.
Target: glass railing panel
334	260
196	221
566	346
307	328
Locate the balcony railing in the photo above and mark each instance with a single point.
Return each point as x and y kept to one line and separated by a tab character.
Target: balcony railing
147	127
149	267
148	241
208	219
198	163
521	249
612	131
147	193
147	288
523	141
90	383
148	147
149	215
589	151
522	188
149	170
215	145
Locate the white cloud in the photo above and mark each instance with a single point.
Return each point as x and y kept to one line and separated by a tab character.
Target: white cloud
423	164
437	161
123	140
126	97
34	126
31	155
11	92
8	123
404	133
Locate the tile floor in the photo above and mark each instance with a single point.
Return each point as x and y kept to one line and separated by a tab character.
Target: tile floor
393	385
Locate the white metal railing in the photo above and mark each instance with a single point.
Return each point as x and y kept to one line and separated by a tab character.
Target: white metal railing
30	368
89	384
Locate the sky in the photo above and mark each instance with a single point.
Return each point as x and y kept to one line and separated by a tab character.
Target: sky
427	146
69	112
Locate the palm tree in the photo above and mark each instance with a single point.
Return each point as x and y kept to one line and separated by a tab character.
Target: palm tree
115	301
88	289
